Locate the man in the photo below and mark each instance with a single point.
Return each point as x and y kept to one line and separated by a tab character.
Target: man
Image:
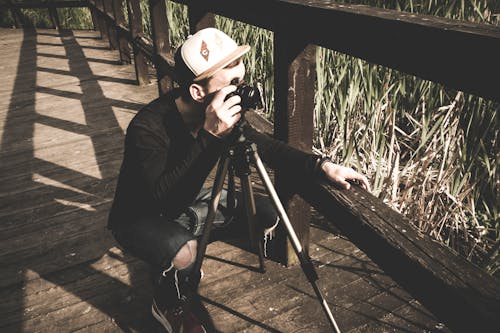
171	146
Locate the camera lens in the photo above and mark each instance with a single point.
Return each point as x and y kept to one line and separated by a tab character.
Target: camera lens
251	97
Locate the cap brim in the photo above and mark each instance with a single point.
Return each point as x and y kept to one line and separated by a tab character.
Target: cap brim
238	52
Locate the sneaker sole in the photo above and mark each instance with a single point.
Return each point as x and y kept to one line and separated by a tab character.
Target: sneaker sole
157	314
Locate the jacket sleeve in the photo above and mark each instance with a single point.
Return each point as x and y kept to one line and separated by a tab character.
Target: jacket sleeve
160	172
289	161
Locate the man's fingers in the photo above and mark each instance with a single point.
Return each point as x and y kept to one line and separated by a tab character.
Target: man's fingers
235	118
366	183
362	180
220	96
343	183
234	110
233	100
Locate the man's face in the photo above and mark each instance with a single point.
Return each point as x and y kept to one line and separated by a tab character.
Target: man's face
234	72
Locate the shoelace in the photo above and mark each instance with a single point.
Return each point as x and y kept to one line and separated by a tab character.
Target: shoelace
268	234
176	278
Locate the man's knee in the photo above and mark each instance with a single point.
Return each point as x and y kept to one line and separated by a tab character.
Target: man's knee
186	255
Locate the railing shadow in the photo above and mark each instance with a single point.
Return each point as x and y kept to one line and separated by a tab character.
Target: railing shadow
61	211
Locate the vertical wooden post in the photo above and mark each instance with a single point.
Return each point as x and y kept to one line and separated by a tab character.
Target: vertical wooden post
103	26
123	45
93	13
161	43
136	29
294	82
54	16
199	19
108	10
16	15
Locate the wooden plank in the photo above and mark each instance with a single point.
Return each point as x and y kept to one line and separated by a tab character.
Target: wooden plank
122	38
103	23
77	166
218	282
404	318
13	204
110	23
136	30
419	45
54	16
97	293
112	263
43	4
161	43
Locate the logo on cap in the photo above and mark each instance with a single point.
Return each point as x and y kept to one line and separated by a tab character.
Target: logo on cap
204	50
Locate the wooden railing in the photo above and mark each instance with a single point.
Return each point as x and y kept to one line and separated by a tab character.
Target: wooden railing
460	55
51	5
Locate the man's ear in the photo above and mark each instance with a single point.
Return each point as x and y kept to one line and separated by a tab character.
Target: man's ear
197	92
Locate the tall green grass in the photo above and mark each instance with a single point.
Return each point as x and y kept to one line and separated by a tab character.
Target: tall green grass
69	18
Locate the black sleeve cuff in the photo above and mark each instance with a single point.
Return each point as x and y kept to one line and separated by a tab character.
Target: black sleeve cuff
318	168
207	139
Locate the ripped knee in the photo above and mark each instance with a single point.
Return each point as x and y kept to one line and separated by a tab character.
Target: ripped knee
186	255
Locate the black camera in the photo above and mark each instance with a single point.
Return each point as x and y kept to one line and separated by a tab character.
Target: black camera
251	96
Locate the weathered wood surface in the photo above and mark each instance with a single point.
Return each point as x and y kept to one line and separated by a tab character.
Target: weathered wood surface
44	4
294	75
64	105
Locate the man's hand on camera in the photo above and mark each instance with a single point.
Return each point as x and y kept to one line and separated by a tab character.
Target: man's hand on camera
341	176
221	115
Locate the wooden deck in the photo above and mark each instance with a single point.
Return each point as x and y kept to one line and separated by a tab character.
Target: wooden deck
64	105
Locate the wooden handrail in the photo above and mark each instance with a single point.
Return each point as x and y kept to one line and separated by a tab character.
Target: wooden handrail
455	53
45	4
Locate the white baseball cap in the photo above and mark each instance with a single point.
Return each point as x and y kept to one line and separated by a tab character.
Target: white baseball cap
208	51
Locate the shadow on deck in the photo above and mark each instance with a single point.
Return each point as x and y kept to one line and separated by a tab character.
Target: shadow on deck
65	104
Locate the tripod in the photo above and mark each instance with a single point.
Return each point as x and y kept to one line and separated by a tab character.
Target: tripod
242	153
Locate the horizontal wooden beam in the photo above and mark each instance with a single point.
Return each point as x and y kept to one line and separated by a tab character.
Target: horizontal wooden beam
165	62
460	55
46	4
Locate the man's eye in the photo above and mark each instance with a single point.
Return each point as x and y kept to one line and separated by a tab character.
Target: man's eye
234	63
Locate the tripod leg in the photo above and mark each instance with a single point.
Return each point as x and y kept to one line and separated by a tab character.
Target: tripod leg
220	175
250	210
305	262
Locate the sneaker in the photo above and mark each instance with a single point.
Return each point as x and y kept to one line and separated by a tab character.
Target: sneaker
177	320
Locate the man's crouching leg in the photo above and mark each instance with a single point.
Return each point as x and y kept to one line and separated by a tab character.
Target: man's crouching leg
171	285
175	305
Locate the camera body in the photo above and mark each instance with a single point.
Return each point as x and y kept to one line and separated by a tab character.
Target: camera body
251	96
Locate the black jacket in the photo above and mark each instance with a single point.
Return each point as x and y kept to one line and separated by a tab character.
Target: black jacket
164	166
